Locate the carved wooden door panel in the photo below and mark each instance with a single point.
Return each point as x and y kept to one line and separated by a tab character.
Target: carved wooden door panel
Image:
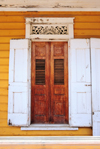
59	82
40	83
49	82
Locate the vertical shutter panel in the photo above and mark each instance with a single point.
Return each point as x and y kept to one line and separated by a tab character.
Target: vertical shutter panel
80	84
18	101
95	65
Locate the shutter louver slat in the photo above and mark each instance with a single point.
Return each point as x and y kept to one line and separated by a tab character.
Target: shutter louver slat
58	71
40	72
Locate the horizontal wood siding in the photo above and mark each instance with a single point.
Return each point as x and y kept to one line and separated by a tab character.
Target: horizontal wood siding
47	146
12	25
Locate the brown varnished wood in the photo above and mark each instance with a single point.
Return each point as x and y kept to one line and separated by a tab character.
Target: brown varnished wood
66	81
47	82
32	81
49	101
59	93
52	81
39	93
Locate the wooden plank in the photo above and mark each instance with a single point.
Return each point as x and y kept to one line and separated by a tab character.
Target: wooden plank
3	76
6	40
4	46
29	14
3	115
52	146
3	91
3	123
21	19
87	32
3	107
89	26
12	26
72	13
11	19
4	99
4	61
86	36
87	19
12	32
4	68
3	83
4	54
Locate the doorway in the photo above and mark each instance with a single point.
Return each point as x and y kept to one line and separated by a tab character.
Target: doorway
49	82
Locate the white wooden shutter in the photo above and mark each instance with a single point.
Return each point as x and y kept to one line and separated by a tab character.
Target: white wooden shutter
95	65
80	84
18	102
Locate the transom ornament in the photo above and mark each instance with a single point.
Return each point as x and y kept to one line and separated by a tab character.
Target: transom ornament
49	28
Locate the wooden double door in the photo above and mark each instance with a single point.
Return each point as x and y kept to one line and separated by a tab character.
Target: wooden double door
49	82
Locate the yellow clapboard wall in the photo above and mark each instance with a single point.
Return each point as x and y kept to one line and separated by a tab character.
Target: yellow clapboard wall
12	25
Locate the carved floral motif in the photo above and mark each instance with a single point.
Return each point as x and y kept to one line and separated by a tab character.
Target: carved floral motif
58	30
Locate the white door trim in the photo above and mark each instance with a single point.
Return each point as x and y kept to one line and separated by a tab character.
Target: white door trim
48	38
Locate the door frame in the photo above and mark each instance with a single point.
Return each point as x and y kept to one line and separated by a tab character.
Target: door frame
53	38
69	84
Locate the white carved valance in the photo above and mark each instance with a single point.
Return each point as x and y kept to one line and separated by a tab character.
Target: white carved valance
49	28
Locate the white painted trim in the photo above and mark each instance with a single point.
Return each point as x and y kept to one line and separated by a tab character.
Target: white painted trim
50	37
49	40
38	38
50	22
54	21
29	73
50	140
49	127
69	83
50	9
